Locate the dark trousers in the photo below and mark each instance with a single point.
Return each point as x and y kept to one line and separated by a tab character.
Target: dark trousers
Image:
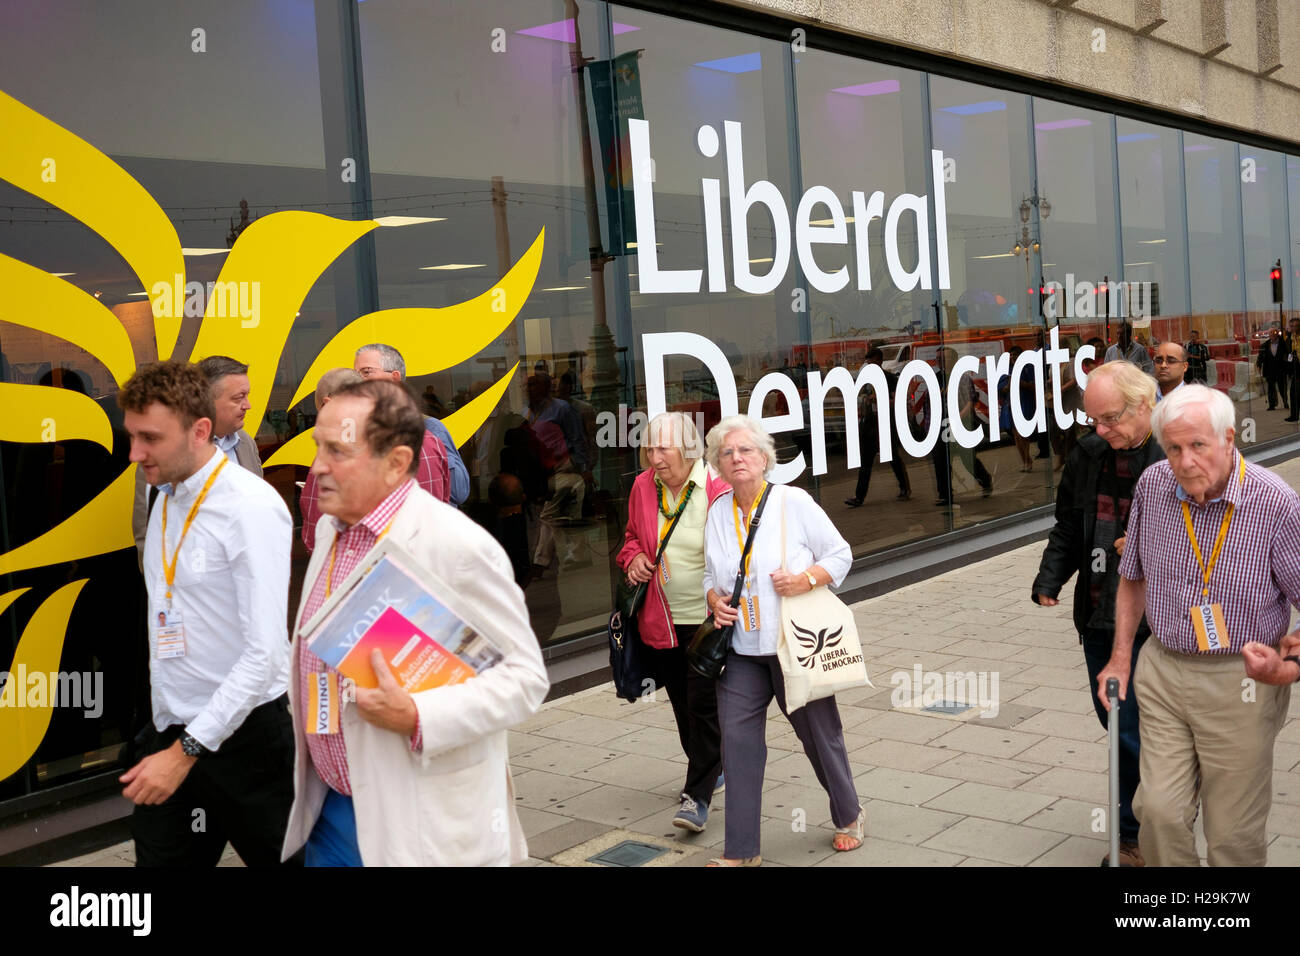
744	692
869	440
1096	652
695	708
942	467
1295	392
240	794
1276	387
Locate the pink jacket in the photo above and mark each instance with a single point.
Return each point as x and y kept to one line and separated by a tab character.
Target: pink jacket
642	537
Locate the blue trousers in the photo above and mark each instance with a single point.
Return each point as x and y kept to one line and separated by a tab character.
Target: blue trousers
1096	651
333	841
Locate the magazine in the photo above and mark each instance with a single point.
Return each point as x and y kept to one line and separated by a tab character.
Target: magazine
389	605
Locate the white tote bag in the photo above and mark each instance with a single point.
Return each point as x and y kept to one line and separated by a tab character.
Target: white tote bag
818	649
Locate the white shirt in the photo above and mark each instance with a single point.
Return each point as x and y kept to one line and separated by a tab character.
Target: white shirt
228	444
811	539
232	591
1161	396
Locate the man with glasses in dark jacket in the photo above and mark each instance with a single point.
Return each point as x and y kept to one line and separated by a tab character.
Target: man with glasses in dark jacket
1092	505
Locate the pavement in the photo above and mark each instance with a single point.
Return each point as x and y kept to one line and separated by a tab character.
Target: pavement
1019	782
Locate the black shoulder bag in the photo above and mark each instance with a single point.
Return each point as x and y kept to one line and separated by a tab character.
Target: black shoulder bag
707	652
626	659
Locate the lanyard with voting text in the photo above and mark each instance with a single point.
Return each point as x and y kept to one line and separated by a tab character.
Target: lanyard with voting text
749	614
324	687
1207	617
169	628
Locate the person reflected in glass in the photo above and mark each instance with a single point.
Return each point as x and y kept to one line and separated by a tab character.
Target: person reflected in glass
1027	400
676	486
559	436
816	555
869	437
1198	359
1130	350
942	457
1272	362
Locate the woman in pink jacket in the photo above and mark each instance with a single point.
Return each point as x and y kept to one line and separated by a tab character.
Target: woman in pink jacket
676	486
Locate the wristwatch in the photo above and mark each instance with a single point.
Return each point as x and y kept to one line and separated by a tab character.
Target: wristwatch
1294	658
191	747
812	581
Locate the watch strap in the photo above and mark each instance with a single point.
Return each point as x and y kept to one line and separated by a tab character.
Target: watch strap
1295	658
812	581
190	745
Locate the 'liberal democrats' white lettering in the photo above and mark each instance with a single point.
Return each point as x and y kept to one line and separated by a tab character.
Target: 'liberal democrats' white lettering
741	199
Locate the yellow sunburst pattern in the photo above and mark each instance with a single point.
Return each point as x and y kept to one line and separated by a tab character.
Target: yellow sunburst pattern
282	254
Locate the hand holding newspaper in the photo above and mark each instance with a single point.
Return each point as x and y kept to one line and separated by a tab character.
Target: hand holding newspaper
390	604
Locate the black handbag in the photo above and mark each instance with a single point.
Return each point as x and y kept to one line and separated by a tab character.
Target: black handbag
626	656
707	652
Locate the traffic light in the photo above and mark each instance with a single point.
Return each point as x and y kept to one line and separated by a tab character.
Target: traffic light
1276	275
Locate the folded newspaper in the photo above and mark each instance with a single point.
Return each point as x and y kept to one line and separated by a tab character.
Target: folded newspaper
388	603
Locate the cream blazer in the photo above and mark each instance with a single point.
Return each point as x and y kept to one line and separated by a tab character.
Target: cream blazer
453	804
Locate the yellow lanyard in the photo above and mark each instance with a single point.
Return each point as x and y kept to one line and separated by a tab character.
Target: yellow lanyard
741	533
1208	569
334	547
169	569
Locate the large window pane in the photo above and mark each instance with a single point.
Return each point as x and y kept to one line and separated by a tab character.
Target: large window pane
861	130
214	109
993	305
482	145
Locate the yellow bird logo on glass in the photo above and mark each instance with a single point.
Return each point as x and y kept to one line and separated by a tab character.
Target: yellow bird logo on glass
266	277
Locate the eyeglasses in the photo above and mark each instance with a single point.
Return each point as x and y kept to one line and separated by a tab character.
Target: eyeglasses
368	371
744	451
1110	421
1166	360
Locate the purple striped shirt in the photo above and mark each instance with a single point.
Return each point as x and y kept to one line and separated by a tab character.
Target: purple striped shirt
1257	576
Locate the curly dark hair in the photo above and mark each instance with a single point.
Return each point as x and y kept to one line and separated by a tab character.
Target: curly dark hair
180	386
394	420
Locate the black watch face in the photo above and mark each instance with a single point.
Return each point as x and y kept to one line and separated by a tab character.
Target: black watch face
191	747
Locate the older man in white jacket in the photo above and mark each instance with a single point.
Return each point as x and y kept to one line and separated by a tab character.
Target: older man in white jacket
421	779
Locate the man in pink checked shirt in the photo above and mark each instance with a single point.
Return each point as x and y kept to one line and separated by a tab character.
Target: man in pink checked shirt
432	474
406	779
1213	557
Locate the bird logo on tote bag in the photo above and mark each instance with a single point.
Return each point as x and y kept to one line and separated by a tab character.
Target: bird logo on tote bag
814	642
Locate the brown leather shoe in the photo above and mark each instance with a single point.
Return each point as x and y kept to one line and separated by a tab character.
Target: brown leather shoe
1129	854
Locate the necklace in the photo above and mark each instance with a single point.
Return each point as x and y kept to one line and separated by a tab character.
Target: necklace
681	506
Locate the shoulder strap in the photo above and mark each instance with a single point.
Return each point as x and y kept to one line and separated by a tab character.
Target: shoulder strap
749	542
153	497
664	544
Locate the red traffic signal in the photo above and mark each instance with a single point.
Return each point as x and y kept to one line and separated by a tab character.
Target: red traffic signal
1275	275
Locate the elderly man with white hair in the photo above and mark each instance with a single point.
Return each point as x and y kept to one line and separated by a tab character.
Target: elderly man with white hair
1213	558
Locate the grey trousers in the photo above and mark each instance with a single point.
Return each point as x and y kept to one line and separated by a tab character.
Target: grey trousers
744	692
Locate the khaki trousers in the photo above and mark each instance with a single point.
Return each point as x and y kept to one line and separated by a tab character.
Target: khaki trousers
1208	732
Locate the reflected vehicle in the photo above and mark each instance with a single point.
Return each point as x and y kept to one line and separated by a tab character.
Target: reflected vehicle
896	356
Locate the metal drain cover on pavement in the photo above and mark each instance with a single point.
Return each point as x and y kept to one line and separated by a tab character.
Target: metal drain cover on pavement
947	707
628	853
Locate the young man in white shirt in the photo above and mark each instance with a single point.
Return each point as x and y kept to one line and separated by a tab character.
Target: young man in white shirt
216	565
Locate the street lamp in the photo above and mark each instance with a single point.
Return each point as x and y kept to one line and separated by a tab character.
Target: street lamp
1026	244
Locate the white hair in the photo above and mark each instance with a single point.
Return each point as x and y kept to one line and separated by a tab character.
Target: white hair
1175	406
719	432
679	427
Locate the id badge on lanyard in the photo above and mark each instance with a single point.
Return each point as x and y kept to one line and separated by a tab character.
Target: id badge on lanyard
1207	618
169	633
750	619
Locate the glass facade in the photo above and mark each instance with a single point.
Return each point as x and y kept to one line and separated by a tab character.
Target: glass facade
586	212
